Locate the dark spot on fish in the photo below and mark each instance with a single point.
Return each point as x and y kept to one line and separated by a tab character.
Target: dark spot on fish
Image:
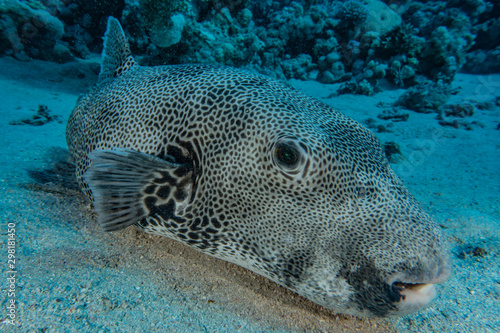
163	192
371	292
150	189
180	195
193	235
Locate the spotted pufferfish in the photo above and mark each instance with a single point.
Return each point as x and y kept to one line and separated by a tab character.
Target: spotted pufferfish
244	168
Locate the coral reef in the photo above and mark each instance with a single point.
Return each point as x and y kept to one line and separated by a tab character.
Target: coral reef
362	88
425	97
357	42
54	30
483	61
28	30
164	20
351	16
381	18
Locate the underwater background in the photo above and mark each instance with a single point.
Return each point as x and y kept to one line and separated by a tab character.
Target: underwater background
423	75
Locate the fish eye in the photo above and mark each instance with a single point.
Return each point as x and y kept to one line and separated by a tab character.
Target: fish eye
287	155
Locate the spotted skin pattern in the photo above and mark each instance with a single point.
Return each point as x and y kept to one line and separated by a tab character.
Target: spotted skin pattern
208	146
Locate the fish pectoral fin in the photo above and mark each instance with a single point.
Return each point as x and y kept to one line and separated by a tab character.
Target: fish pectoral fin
128	186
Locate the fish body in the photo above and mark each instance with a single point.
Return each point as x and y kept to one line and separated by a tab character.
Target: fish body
247	169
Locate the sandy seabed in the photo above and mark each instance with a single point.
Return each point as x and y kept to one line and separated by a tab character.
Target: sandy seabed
73	277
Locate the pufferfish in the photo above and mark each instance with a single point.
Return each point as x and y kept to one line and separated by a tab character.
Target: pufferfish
244	168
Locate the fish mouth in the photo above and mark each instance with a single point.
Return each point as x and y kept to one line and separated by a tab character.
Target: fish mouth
416	295
413	296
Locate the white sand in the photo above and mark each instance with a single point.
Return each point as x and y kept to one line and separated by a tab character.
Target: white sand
74	277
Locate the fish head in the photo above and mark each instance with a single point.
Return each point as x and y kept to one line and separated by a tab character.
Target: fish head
315	206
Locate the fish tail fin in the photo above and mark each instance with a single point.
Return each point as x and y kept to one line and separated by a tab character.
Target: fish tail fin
116	55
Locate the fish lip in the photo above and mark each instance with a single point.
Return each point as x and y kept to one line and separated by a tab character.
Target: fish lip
417	292
442	274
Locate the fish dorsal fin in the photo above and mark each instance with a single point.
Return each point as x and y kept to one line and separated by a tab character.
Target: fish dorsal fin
116	55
